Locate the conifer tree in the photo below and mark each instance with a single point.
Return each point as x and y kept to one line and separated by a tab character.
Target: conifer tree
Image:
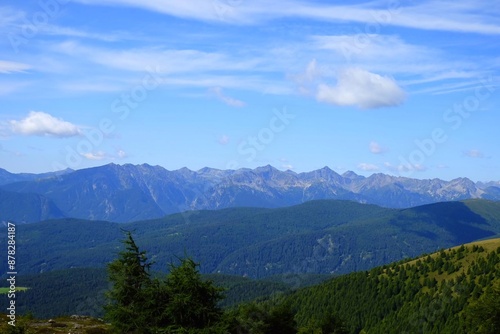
180	303
128	296
193	301
484	315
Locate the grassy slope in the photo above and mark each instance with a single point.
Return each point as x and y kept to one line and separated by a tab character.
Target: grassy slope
4	291
463	264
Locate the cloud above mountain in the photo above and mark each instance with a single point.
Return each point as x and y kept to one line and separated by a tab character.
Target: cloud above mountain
367	167
39	123
363	89
376	148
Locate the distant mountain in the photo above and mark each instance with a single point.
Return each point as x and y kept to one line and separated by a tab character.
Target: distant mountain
6	177
136	192
326	236
27	208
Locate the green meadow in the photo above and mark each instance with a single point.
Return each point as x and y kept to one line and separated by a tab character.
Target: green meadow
5	290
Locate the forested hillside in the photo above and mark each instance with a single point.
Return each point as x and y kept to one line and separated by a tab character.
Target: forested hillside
452	291
331	237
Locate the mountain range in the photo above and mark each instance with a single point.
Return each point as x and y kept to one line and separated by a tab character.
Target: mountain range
126	193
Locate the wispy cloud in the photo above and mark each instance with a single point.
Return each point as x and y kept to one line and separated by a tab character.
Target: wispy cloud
10	16
366	90
376	148
372	47
100	155
77	33
477	154
10	67
39	123
285	164
465	16
405	168
194	9
217	92
367	167
243	81
10	87
308	78
169	61
121	154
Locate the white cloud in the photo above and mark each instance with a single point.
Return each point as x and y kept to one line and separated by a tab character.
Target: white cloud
414	64
100	155
366	90
217	91
405	168
474	154
373	47
121	154
311	73
368	167
10	67
39	123
375	148
307	79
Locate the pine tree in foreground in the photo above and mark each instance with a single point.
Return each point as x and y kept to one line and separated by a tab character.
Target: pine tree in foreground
180	303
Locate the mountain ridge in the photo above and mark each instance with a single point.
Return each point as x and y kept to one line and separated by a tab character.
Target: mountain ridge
124	193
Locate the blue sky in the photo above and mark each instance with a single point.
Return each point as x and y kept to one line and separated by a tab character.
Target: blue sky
407	88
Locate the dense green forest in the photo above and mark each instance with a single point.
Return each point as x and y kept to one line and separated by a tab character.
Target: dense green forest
453	291
81	290
329	237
